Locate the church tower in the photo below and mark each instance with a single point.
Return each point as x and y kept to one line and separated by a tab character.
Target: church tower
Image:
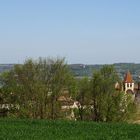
128	83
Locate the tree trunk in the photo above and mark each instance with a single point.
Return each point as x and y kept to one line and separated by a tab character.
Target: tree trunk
52	107
95	114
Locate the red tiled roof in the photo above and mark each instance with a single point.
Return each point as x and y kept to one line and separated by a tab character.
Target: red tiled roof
128	78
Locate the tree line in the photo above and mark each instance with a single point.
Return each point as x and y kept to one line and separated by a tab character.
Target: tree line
36	86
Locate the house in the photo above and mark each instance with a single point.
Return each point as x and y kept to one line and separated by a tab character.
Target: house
68	105
129	86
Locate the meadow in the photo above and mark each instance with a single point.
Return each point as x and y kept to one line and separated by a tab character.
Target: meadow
12	129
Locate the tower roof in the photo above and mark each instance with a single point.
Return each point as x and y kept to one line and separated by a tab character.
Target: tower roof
128	78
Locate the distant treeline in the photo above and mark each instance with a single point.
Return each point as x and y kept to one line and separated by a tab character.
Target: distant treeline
81	70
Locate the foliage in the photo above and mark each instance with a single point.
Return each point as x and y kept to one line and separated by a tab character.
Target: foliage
82	96
37	86
108	104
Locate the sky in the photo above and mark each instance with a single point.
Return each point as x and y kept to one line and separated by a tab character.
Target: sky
82	31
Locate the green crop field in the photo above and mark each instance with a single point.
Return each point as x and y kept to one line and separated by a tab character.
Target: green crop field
66	130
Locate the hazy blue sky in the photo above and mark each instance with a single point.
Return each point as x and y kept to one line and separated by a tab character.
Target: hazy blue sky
83	31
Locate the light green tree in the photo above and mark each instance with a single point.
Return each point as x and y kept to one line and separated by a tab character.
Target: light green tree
82	96
37	86
108	103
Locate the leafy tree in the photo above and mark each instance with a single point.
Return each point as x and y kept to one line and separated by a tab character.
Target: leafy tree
108	104
37	86
82	96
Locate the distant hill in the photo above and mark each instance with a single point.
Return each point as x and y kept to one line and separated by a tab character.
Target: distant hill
80	70
6	67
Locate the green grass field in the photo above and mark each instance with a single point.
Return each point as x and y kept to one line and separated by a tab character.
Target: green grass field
66	130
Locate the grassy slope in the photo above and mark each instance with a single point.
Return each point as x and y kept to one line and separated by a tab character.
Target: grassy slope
63	130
